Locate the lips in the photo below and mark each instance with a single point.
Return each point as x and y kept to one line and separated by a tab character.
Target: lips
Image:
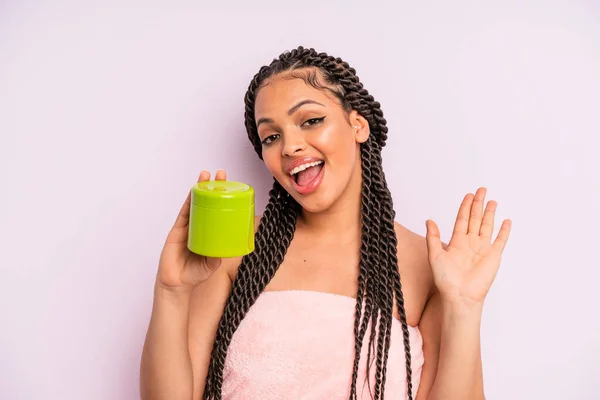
300	161
314	184
311	186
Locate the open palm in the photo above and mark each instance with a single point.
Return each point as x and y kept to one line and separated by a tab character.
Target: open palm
466	268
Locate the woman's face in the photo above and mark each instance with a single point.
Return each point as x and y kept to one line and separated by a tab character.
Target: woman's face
309	144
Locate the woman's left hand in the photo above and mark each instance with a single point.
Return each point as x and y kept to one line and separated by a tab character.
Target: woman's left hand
465	269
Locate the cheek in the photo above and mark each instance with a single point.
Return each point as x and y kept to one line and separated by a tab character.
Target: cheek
272	160
338	144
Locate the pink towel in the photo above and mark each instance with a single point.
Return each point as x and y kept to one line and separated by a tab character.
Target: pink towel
300	345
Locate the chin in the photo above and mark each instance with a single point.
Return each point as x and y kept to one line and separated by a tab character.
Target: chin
321	199
315	207
317	202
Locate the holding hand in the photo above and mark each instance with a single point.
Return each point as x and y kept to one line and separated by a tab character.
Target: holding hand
179	268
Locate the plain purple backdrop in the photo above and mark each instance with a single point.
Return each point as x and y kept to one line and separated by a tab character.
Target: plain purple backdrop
108	112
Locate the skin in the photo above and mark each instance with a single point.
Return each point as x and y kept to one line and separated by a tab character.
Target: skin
330	221
444	285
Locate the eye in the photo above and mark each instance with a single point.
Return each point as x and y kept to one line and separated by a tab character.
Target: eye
268	140
314	121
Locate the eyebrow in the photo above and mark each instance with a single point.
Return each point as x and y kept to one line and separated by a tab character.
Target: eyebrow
290	111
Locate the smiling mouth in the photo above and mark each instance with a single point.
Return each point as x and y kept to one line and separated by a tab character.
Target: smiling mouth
304	175
308	179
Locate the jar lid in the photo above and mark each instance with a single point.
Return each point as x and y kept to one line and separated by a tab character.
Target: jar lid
222	194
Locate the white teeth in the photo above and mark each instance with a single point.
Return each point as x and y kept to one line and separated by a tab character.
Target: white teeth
304	166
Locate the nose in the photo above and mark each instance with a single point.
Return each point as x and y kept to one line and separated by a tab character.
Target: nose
292	144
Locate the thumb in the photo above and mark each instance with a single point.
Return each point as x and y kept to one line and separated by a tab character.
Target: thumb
434	244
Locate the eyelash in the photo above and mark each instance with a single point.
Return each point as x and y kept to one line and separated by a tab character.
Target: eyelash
265	141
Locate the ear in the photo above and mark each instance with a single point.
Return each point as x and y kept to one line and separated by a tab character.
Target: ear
360	127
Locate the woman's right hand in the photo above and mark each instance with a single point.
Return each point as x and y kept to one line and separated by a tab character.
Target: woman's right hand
179	268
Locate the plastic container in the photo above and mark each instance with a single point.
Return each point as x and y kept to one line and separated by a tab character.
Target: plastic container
221	219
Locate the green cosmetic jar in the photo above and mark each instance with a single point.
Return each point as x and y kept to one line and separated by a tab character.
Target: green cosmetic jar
221	221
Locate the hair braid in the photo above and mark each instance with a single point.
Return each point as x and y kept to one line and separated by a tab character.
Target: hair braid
273	237
379	279
364	284
375	274
387	274
389	245
369	233
370	109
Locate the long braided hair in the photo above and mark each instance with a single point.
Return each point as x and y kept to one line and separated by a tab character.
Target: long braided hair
379	279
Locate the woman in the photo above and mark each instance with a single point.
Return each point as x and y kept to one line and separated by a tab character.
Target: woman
338	300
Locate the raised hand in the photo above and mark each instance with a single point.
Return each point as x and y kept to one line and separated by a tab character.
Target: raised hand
466	268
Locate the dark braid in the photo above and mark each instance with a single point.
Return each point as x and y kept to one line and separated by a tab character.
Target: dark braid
391	275
365	271
384	294
376	267
372	261
273	237
378	280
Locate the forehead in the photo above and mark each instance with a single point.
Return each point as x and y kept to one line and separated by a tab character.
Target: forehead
282	93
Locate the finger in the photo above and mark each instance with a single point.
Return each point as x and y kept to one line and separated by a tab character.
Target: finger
502	237
184	213
462	219
476	212
487	225
221	175
204	176
434	244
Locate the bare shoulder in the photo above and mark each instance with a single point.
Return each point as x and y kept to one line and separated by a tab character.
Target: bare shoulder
412	249
408	238
415	272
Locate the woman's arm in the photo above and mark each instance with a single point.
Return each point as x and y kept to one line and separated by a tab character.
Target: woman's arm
463	272
206	308
451	346
166	370
180	336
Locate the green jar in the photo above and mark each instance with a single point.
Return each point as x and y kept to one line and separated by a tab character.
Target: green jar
221	219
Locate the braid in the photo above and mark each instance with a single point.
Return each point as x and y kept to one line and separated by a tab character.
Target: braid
377	266
273	237
388	246
378	280
385	291
364	269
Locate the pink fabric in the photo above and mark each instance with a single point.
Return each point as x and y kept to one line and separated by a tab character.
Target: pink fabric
300	345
